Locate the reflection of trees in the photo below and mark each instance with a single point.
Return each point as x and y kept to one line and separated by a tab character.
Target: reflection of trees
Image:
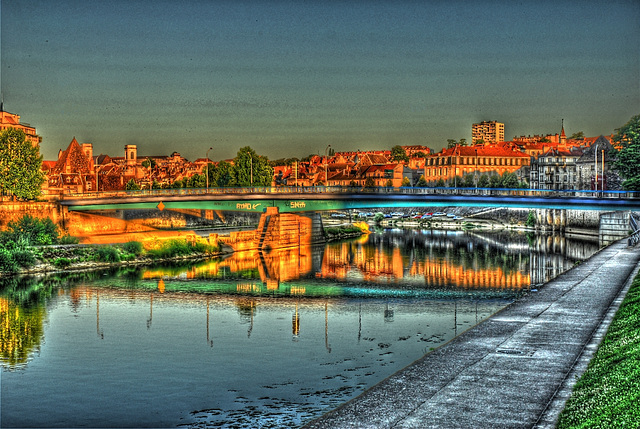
22	314
21	332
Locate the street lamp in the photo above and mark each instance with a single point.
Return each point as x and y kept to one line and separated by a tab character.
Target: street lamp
208	169
595	158
326	177
476	172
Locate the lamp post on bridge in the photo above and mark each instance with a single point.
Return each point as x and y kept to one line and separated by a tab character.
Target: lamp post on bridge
208	169
326	177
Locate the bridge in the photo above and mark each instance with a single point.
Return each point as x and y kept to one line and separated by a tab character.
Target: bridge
309	199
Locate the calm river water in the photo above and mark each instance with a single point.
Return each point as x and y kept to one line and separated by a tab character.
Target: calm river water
254	340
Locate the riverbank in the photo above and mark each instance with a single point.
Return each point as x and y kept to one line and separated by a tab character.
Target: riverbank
506	371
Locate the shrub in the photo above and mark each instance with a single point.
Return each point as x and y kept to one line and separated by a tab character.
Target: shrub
62	263
133	247
7	263
24	258
68	239
107	254
35	231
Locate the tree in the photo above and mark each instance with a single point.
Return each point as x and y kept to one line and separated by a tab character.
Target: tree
398	154
577	136
369	183
495	181
440	183
405	182
627	138
467	181
389	183
510	180
451	143
20	165
419	154
483	181
221	175
251	169
422	182
132	186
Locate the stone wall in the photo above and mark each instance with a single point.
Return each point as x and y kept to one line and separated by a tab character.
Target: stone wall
613	227
12	211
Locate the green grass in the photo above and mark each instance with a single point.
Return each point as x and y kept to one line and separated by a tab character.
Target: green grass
608	393
342	230
179	247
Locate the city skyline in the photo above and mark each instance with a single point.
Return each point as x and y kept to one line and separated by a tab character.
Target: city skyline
288	79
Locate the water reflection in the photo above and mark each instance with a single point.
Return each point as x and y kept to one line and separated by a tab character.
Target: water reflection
269	339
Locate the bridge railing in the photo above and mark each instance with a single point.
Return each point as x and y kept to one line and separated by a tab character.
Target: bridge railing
542	193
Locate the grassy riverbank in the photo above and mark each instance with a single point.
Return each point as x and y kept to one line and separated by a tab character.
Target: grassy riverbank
608	393
33	245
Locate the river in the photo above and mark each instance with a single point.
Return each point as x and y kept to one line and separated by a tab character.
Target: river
256	339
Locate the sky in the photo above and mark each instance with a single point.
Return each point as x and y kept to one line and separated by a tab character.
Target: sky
290	78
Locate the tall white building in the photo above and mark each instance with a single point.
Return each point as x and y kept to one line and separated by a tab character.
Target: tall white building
487	131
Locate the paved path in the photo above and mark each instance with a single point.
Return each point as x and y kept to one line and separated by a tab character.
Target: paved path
505	372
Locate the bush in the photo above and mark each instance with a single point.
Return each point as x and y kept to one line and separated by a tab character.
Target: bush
107	254
133	247
36	231
7	263
62	263
68	239
171	248
24	258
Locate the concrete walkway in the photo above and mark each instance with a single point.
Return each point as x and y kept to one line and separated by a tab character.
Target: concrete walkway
509	371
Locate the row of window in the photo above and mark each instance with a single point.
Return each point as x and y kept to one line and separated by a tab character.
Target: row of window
472	160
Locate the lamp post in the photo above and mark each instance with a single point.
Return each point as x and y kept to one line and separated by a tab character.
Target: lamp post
208	169
251	177
326	177
476	171
595	158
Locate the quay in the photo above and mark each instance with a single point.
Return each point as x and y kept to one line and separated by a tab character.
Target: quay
515	369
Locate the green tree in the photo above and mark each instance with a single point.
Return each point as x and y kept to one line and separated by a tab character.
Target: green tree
577	136
20	165
510	180
221	175
132	186
405	182
451	143
398	154
467	181
369	183
483	181
252	169
422	182
196	181
419	154
495	181
440	183
627	138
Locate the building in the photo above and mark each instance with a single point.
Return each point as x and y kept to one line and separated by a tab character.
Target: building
11	120
555	169
478	159
487	131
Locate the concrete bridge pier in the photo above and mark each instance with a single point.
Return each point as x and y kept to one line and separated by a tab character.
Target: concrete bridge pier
276	230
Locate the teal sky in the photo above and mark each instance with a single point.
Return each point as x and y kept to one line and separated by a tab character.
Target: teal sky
289	78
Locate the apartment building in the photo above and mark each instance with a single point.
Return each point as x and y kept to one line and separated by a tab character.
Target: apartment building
11	120
487	131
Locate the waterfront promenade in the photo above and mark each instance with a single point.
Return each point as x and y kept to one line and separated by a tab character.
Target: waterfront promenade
514	370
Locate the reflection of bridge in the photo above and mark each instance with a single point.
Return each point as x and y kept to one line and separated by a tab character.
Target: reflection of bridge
292	199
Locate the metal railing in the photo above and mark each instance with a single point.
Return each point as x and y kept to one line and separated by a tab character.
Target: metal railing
540	193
